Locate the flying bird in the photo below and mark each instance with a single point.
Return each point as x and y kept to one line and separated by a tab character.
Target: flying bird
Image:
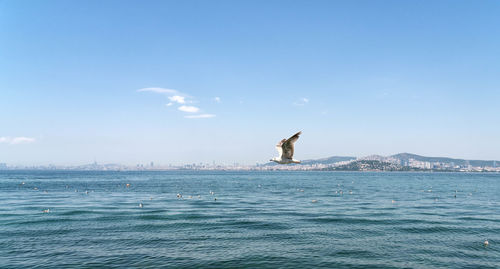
285	150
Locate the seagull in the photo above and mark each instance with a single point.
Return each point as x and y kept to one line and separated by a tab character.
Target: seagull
285	150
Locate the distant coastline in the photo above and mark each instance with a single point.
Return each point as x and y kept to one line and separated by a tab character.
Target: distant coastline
402	162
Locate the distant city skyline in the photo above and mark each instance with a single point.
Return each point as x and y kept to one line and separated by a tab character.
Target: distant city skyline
402	162
176	82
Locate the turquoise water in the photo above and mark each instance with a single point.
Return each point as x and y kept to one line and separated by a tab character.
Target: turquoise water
258	220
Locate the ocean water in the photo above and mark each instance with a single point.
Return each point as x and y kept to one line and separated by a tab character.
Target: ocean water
249	220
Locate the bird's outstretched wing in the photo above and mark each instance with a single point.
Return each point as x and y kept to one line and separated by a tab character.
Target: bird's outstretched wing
279	148
287	146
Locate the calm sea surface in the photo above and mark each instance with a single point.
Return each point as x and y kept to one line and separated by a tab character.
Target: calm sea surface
249	219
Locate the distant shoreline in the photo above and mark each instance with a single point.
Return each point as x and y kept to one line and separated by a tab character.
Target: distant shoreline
249	170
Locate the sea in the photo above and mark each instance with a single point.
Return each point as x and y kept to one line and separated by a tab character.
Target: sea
249	219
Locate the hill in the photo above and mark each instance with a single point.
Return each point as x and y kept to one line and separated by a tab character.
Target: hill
460	162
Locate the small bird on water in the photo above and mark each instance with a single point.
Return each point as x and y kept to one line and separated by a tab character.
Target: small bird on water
285	149
486	243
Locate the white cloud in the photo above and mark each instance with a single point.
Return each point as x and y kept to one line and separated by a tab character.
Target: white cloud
16	140
158	90
301	102
21	140
190	109
177	98
200	116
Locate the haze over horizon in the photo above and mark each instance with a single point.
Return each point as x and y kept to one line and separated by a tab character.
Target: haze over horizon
201	81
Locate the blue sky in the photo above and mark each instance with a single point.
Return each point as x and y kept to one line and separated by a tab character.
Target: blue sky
357	77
